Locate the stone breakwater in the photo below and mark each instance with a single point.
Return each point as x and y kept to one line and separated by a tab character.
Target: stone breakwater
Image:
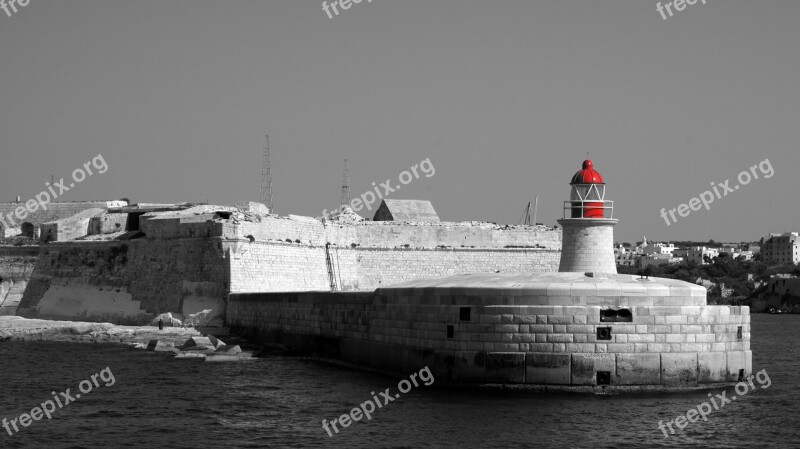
550	332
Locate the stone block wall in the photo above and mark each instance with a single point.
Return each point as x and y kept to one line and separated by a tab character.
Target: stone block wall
203	226
264	267
442	235
16	265
295	229
108	223
369	234
123	282
588	245
289	254
68	228
556	346
371	268
276	266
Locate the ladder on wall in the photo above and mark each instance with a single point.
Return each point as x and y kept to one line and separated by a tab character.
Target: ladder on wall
329	264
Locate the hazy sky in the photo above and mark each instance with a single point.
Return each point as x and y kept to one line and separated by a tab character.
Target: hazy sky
504	97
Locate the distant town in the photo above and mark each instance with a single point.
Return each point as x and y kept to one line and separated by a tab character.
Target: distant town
762	274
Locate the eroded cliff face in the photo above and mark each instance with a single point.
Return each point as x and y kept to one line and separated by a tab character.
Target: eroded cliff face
126	282
16	267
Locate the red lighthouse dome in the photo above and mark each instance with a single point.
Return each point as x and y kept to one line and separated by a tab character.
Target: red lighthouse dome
587	175
588	193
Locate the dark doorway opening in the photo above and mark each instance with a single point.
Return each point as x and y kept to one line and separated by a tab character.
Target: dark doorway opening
133	221
27	229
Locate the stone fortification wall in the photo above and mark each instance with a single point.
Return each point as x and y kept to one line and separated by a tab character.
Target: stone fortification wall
277	266
126	282
206	226
371	268
467	339
295	229
368	234
108	223
16	265
313	232
68	228
289	253
443	234
55	211
239	253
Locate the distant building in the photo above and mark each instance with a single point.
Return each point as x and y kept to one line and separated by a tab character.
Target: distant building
683	253
782	248
624	256
782	276
406	210
702	255
658	248
658	259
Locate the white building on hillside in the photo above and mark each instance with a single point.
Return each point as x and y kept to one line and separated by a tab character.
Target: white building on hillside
702	255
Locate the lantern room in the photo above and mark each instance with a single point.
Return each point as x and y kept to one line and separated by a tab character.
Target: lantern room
587	196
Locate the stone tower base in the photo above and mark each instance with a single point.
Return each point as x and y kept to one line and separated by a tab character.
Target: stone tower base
587	245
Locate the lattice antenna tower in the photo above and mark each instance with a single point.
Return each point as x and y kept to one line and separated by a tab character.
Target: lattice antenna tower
266	178
346	184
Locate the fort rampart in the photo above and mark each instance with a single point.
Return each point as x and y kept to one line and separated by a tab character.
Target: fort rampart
188	262
55	211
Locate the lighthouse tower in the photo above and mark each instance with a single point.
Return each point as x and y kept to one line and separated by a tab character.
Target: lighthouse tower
588	233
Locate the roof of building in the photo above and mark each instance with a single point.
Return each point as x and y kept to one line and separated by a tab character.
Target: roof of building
587	175
406	210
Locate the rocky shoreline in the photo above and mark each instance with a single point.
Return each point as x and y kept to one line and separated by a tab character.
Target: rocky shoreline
182	342
14	328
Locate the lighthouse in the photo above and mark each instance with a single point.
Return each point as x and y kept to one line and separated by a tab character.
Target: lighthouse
585	329
588	225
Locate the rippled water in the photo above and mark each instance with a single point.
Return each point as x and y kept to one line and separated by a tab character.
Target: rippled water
158	401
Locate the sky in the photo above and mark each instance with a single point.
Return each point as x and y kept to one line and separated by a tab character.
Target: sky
504	98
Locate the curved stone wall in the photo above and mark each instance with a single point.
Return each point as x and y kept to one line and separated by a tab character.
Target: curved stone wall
502	333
